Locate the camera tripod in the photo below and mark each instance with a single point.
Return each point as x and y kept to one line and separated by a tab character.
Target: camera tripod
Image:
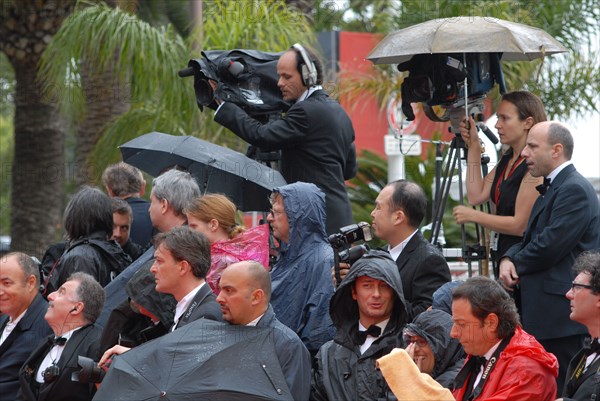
457	152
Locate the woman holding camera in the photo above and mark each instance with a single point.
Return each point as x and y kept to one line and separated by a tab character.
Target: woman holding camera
509	185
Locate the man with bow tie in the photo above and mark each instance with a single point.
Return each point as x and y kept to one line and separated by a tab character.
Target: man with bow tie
504	362
564	222
583	374
72	311
369	313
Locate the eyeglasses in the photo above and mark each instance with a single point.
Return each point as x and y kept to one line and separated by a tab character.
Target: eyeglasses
421	342
275	212
575	285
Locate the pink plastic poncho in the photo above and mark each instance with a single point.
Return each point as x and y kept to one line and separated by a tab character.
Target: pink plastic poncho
252	244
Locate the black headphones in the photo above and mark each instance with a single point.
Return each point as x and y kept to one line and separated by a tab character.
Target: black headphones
308	71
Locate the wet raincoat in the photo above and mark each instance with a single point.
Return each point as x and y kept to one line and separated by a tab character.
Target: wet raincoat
434	326
342	373
251	244
301	277
524	372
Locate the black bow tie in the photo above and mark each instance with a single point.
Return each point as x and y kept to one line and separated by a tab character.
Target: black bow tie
374	331
543	187
477	362
594	346
60	341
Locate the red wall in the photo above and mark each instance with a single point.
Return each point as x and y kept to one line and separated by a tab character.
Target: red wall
370	125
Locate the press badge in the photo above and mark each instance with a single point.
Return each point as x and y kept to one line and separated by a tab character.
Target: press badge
494	240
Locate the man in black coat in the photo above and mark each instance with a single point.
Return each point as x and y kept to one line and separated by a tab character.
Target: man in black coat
399	209
583	373
316	137
182	260
564	222
244	300
72	311
124	181
368	311
22	324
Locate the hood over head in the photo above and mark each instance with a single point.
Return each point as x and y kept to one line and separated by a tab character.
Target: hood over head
142	289
434	326
375	264
304	205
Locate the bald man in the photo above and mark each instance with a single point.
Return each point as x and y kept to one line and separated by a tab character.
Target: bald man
244	299
564	222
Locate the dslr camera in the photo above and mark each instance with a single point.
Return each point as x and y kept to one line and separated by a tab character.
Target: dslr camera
342	242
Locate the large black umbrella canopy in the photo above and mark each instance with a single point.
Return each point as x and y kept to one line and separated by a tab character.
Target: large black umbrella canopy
516	42
203	360
217	169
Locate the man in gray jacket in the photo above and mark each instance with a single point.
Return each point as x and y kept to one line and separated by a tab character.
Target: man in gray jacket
244	299
369	312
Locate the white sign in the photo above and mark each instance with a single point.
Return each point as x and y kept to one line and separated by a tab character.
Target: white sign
407	145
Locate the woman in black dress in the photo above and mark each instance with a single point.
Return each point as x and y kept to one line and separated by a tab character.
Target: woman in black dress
509	185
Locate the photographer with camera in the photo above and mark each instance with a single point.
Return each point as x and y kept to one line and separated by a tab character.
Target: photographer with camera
72	311
315	136
399	209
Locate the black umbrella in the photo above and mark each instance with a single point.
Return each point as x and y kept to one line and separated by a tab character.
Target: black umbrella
203	360
217	169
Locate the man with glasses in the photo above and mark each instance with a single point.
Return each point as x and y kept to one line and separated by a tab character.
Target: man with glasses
583	373
428	342
369	312
300	276
564	222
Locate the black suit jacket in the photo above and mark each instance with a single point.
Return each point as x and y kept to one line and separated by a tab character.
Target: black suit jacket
85	342
563	223
423	270
27	334
587	384
203	305
316	139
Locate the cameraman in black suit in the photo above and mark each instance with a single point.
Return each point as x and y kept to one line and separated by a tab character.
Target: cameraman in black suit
316	137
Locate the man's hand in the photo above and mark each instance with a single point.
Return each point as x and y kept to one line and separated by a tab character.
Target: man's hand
214	85
344	268
508	274
116	350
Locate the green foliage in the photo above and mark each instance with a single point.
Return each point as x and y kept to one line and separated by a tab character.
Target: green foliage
7	87
567	83
6	158
146	58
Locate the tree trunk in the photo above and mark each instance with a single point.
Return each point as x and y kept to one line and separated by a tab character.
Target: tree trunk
105	99
38	169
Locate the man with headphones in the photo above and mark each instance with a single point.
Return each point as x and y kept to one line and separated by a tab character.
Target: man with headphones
315	136
72	311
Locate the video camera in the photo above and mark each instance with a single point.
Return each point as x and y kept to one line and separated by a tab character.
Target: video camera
341	243
247	78
438	79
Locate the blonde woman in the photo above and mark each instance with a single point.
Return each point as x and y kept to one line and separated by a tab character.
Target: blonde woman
214	215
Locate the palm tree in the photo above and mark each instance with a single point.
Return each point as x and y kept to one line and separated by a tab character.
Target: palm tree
38	168
146	59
